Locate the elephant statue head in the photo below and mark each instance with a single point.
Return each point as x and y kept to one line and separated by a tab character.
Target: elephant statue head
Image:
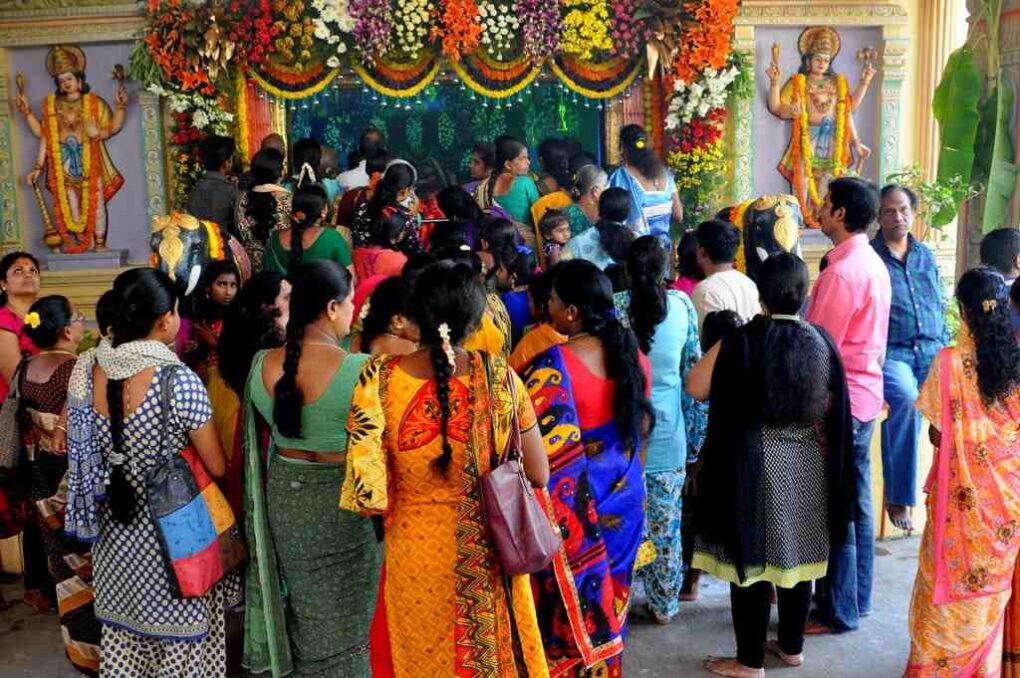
182	246
769	224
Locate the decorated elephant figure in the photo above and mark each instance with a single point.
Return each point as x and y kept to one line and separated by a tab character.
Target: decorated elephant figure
182	246
768	224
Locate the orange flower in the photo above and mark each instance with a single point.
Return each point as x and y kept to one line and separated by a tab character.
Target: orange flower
461	29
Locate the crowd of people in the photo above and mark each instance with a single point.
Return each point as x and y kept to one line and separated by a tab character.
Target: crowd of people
395	336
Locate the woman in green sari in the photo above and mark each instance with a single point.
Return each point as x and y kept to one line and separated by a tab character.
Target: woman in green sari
313	570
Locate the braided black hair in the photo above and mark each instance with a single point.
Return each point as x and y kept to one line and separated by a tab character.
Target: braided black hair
266	168
446	293
581	284
614	235
142	297
316	286
984	300
306	212
646	260
250	325
397	177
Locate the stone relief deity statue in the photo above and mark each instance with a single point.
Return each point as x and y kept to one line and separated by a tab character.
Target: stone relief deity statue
73	130
820	105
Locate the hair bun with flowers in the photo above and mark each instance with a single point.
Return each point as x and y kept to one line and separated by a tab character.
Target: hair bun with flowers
33	320
297	217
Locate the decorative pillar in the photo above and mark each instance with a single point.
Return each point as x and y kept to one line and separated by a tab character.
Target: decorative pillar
939	25
10	233
152	149
742	117
893	71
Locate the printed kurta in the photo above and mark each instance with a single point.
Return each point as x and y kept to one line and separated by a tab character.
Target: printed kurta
443	607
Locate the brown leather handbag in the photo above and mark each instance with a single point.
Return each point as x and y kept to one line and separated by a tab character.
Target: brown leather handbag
524	538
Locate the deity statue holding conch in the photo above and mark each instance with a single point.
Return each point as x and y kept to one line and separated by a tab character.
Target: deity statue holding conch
819	103
73	131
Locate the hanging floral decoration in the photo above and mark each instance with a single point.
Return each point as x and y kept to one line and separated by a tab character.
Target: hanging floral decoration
332	23
499	28
628	31
411	26
706	37
371	27
460	29
704	75
192	51
585	28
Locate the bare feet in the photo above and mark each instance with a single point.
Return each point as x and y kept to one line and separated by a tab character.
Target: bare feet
813	628
788	659
689	590
38	601
728	666
900	517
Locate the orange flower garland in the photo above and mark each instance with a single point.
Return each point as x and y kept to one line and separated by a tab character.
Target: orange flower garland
705	40
461	29
84	227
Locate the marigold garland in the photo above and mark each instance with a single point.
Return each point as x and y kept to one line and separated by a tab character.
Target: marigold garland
737	219
84	227
802	153
705	39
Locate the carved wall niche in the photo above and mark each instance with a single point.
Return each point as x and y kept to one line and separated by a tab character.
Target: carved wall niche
27	24
885	18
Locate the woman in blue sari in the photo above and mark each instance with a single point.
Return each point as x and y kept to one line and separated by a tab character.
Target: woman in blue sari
591	399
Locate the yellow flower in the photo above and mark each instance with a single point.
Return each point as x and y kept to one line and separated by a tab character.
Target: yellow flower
33	320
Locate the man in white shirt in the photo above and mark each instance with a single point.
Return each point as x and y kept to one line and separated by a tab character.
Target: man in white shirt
371	140
724	287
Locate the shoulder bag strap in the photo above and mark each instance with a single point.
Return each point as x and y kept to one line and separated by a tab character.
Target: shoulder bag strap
166	381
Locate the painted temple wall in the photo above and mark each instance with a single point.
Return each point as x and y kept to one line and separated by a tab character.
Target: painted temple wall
772	135
127	220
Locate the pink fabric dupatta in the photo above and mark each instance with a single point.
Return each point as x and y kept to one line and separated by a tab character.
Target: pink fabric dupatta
976	489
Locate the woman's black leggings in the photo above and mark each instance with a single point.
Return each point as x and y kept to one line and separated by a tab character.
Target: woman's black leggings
751	610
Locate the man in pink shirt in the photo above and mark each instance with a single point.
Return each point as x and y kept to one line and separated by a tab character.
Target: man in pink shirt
851	301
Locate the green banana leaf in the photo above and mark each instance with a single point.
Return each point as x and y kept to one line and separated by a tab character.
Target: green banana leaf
1002	173
955	106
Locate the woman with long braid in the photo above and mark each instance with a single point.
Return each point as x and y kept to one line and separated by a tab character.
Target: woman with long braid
309	238
591	400
328	559
421	436
116	402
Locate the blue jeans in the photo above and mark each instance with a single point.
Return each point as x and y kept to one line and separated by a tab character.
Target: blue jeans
846	594
900	433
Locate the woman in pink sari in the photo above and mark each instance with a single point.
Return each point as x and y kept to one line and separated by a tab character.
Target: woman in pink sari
972	535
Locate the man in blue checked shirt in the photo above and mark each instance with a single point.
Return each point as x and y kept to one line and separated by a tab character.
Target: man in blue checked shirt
917	330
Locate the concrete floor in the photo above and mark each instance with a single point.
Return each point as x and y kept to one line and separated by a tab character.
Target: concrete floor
30	645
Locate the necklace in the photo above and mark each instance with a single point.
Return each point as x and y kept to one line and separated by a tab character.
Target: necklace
57	351
579	335
332	341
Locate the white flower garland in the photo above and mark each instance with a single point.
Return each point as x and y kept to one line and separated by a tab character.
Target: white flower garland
333	23
696	99
500	26
205	113
411	21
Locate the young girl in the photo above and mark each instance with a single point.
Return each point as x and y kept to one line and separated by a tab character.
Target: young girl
219	286
387	326
555	228
513	273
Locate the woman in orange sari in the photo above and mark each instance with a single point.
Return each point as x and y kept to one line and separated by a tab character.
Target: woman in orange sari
972	535
424	428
